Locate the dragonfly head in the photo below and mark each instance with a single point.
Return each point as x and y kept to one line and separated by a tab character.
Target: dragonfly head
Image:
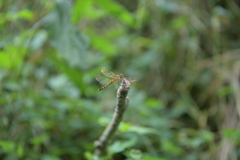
121	75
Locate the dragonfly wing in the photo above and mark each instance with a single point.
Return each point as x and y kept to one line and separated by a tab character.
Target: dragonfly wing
107	72
132	79
117	84
102	79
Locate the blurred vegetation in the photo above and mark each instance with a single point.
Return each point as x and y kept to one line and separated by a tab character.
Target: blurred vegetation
186	104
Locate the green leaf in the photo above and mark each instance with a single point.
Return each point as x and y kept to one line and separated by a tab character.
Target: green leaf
225	90
11	56
154	103
179	23
49	157
206	135
127	127
231	133
171	147
25	14
8	146
104	121
80	9
40	139
135	154
73	74
117	10
103	44
20	149
146	157
119	146
124	127
88	155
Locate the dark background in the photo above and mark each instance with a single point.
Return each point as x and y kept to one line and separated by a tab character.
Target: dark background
185	105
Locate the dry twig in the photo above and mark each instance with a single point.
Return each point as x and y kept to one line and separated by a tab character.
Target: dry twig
122	103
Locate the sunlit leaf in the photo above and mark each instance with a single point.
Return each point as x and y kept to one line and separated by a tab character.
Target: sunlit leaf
154	103
117	10
103	44
80	9
25	14
8	146
11	56
146	157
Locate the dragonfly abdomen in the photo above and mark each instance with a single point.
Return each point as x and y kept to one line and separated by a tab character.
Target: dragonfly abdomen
106	85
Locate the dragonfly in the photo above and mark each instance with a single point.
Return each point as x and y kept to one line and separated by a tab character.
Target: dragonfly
107	78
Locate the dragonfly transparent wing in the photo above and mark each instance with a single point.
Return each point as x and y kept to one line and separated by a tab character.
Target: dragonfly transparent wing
117	84
107	72
132	79
102	79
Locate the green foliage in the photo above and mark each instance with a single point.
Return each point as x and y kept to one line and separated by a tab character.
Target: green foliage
119	146
185	53
11	56
232	134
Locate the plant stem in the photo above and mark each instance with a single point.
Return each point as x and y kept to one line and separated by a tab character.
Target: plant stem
122	103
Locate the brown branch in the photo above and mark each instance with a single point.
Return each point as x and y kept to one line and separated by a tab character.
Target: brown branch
122	103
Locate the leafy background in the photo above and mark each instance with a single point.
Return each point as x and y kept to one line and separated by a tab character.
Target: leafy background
185	53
